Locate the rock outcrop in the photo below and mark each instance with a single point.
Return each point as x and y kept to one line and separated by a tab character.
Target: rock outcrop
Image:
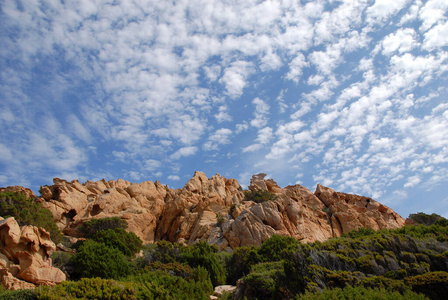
215	209
25	256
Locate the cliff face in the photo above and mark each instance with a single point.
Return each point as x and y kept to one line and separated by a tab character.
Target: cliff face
214	209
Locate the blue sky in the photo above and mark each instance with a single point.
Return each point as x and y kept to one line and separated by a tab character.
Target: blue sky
349	94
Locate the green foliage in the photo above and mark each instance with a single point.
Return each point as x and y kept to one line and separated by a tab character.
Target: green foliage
260	196
220	219
432	284
175	269
120	239
91	227
204	255
90	288
360	293
95	259
425	219
17	295
263	280
362	232
273	248
242	260
28	212
162	285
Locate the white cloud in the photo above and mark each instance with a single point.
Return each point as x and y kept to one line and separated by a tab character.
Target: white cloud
432	12
152	164
412	181
219	137
295	68
252	148
184	152
403	40
436	37
223	115
383	9
260	113
235	77
173	177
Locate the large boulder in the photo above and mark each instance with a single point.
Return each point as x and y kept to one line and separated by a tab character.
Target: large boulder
25	256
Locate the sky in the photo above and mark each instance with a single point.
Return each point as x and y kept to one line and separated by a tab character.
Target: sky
349	94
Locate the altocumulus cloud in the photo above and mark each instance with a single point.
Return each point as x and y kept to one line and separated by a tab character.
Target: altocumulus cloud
350	93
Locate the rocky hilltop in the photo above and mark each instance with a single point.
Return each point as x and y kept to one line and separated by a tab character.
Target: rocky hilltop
215	209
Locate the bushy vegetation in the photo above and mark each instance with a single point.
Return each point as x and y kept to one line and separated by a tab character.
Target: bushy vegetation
409	260
360	293
92	227
28	212
260	196
126	242
425	219
405	263
95	259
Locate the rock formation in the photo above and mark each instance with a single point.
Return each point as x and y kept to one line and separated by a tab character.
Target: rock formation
215	209
25	256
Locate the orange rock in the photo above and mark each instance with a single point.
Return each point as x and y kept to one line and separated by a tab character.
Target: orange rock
31	247
214	209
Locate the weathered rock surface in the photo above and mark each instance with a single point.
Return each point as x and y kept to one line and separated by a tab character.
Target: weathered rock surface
214	209
25	256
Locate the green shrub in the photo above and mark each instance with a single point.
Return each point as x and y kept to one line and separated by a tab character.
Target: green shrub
162	285
17	295
95	259
89	288
362	232
120	239
28	212
204	255
91	227
425	219
175	269
260	196
272	249
239	265
432	284
360	293
263	280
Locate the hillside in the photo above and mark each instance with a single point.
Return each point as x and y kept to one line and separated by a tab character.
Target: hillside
146	241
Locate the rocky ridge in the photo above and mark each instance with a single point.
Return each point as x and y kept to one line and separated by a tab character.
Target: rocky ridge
215	209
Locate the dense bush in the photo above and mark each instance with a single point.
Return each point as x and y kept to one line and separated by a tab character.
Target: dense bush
242	260
17	295
89	288
95	259
91	227
425	219
120	239
432	284
204	255
162	285
360	293
28	212
273	248
263	282
260	196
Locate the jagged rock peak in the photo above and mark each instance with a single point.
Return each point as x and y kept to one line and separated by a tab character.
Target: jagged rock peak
215	209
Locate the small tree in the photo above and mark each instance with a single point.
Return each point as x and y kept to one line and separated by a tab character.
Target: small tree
95	259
